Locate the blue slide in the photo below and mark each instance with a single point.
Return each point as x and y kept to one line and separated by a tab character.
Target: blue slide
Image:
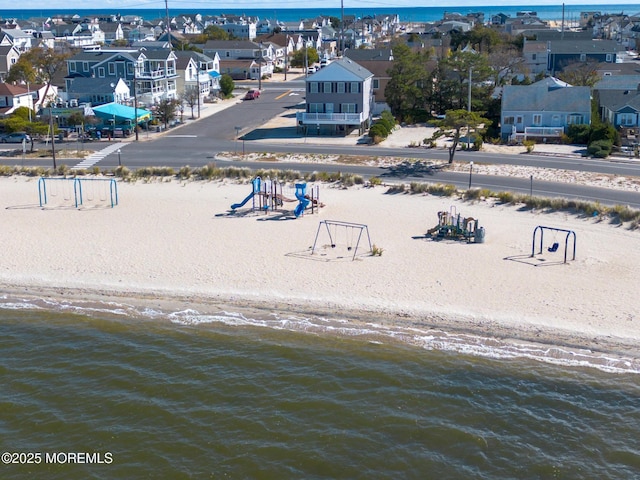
256	182
238	205
301	189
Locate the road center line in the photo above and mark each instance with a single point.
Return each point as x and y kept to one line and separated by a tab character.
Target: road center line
283	94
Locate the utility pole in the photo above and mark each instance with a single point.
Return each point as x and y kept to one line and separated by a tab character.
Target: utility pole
198	83
53	147
260	69
469	110
341	47
135	98
286	56
166	7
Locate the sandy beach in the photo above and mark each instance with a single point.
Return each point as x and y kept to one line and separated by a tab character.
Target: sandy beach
177	244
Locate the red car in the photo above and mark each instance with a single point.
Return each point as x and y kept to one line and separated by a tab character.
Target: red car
252	95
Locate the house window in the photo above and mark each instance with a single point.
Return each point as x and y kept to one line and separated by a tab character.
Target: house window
575	119
508	121
583	57
313	87
316	107
354	87
112	69
326	87
101	72
534	56
85	66
537	119
627	119
341	87
72	67
348	108
609	57
376	84
519	119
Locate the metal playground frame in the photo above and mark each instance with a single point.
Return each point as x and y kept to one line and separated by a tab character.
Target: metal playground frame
554	247
346	225
77	185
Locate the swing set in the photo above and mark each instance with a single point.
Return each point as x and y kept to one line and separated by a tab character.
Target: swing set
555	244
89	189
352	234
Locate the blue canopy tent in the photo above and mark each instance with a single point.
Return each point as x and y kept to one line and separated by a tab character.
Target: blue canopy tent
121	114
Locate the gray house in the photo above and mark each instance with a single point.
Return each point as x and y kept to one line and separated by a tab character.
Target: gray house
622	110
564	52
543	110
339	98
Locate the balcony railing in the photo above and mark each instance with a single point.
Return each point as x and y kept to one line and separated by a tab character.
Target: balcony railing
330	118
544	131
550	132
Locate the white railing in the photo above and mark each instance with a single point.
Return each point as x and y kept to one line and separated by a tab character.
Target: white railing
544	131
330	118
154	74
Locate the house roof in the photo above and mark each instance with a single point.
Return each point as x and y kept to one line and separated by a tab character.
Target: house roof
342	70
82	85
618	82
368	54
545	98
230	45
9	90
616	100
560	47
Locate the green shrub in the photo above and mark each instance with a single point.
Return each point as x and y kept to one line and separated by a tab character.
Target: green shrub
529	145
375	181
600	148
378	130
578	134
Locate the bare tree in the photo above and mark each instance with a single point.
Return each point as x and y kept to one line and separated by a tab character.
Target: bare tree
190	97
584	74
505	60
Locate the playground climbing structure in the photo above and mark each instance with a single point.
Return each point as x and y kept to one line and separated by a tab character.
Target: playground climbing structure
271	196
452	225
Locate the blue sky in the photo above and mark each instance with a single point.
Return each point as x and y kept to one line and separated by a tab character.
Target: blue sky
175	5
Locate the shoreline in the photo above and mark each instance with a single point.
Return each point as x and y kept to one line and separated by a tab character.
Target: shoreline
481	338
176	245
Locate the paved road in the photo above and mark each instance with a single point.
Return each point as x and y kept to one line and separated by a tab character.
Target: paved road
197	143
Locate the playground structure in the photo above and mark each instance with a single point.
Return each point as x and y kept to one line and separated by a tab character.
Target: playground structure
453	226
267	195
554	245
78	190
350	230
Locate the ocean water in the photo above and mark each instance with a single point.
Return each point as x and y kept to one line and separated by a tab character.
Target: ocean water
113	391
406	14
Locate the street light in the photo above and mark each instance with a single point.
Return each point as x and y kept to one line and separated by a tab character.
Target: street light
237	135
470	172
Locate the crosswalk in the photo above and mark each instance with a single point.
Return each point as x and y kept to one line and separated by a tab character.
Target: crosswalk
98	155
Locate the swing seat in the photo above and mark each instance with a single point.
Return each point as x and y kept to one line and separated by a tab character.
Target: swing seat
553	247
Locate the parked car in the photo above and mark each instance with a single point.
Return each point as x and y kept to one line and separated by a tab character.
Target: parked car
252	95
312	69
16	137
